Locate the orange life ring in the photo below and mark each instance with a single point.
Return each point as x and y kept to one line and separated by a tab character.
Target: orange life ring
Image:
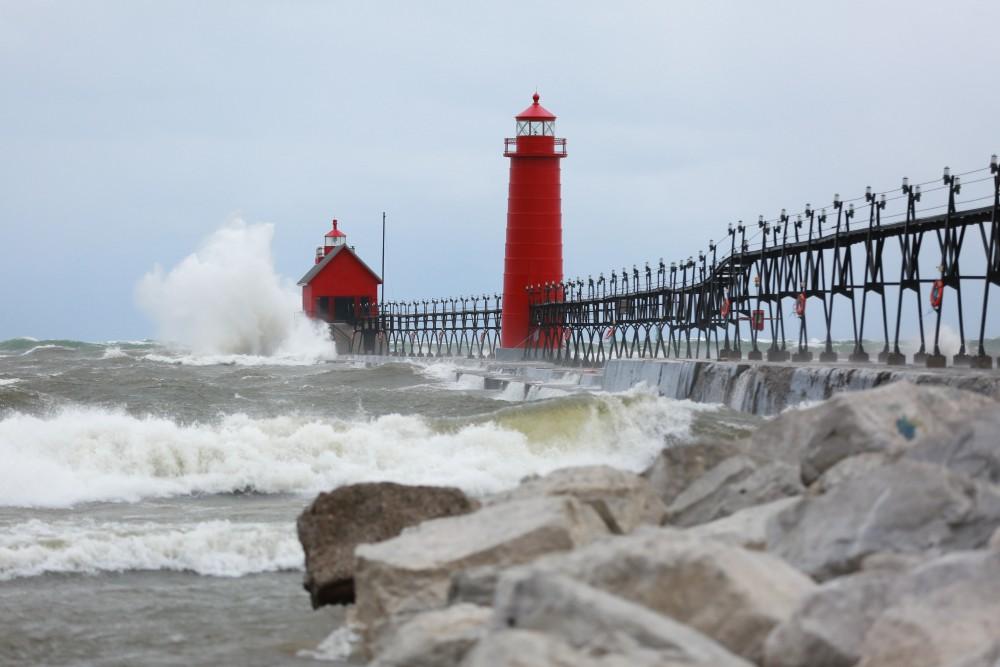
937	294
726	306
800	304
610	332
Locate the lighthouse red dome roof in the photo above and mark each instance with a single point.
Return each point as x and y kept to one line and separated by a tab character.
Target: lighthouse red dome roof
536	111
334	233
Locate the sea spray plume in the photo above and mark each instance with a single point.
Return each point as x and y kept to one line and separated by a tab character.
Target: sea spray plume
227	299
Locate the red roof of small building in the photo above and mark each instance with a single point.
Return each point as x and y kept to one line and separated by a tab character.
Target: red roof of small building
536	111
316	269
335	233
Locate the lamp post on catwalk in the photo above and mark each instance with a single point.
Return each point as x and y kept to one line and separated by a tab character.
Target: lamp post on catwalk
533	254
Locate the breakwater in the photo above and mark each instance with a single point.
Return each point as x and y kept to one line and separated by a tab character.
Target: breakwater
757	388
769	388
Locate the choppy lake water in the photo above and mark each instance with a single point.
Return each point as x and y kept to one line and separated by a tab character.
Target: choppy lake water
148	496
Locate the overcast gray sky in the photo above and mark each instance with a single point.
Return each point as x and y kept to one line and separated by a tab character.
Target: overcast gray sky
131	130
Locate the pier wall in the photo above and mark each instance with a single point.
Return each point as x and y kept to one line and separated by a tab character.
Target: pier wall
769	388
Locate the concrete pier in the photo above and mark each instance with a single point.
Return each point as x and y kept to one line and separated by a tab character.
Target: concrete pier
769	388
764	388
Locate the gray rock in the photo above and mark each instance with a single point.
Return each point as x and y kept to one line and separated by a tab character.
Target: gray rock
988	657
527	648
845	469
336	522
892	562
622	499
475	585
411	573
438	638
946	613
995	540
907	507
734	484
592	620
746	528
731	594
970	448
678	466
830	623
888	419
933	613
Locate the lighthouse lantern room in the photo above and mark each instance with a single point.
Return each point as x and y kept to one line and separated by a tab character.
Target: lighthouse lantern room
340	285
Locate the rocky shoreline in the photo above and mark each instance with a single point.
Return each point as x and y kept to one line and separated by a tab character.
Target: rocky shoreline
864	530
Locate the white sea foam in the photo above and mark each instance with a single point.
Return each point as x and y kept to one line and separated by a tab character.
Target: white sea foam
339	645
537	392
443	370
6	382
114	352
216	548
95	454
225	303
471	382
179	358
949	342
513	392
44	347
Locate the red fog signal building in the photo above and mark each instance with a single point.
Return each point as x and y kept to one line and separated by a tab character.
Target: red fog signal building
340	285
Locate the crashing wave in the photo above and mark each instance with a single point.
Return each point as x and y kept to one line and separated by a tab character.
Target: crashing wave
215	548
91	454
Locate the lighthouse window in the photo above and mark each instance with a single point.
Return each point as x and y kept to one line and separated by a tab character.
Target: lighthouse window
536	128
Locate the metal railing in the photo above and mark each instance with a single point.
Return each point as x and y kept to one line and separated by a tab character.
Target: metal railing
758	290
510	147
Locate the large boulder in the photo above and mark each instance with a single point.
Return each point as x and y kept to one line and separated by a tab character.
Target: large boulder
731	594
336	522
888	419
906	507
734	484
595	621
746	528
527	648
475	585
410	573
845	469
830	623
624	500
988	657
941	611
437	638
679	465
945	613
969	448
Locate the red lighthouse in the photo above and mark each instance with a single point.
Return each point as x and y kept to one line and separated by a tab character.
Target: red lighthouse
534	217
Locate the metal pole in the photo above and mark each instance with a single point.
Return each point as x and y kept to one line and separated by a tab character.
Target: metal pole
383	257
